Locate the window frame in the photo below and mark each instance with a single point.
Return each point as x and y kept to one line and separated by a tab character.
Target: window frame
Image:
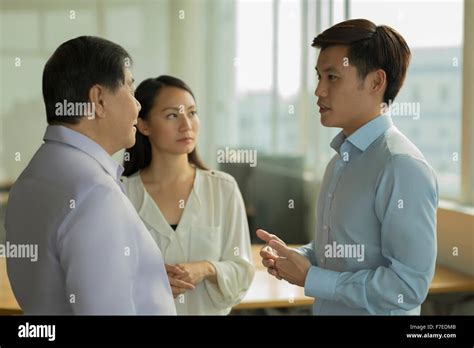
467	123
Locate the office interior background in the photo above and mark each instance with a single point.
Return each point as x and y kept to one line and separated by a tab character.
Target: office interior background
251	66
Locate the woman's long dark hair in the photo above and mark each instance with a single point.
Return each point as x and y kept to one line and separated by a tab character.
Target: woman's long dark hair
139	155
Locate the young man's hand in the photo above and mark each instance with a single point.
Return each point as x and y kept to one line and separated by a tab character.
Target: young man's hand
281	261
267	253
291	265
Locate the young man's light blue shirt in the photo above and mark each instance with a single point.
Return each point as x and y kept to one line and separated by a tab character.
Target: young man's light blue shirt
375	245
95	255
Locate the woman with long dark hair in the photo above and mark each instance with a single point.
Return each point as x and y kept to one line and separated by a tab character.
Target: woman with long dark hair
195	215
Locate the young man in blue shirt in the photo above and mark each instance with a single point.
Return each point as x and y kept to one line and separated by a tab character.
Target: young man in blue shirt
375	246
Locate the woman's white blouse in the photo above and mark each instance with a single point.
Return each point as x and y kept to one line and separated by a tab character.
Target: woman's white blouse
213	227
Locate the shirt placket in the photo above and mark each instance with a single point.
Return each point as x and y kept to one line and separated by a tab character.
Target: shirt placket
338	170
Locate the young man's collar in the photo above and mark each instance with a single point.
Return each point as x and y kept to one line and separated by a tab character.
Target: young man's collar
365	135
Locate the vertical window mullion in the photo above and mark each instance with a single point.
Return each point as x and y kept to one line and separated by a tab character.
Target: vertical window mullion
303	113
467	140
274	98
347	7
331	9
318	17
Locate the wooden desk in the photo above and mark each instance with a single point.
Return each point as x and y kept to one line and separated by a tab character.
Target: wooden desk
268	292
8	304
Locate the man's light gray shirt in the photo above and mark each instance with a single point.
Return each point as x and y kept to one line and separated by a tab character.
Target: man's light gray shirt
95	255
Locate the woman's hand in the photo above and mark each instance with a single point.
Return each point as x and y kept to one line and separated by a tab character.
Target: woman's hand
178	286
195	272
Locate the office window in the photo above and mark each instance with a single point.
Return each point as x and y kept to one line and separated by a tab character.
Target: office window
434	79
288	75
269	74
254	73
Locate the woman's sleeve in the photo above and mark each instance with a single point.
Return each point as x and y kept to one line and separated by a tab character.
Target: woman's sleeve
235	270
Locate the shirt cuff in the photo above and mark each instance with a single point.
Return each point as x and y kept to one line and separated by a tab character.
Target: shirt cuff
301	252
320	283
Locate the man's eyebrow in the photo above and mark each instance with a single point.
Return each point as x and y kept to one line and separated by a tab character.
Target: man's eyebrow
328	69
